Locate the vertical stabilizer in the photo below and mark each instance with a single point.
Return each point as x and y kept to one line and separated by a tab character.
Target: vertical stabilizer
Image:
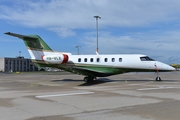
35	45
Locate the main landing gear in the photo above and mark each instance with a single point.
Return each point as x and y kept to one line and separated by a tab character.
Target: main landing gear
89	79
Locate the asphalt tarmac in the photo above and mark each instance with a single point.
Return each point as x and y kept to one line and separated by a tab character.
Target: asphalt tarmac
132	96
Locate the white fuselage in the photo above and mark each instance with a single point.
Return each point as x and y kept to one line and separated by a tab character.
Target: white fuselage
132	61
129	61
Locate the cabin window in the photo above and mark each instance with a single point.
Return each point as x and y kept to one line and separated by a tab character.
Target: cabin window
91	59
105	59
120	59
146	58
79	59
113	59
85	59
98	59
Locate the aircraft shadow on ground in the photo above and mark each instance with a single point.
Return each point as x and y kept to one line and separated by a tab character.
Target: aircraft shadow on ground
143	80
95	82
67	80
106	80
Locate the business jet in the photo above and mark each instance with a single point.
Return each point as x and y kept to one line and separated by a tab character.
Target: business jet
91	66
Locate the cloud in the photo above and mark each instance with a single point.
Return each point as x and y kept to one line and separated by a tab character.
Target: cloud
154	42
64	32
78	14
147	27
157	46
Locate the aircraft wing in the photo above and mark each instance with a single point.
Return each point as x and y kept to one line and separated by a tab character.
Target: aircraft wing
89	71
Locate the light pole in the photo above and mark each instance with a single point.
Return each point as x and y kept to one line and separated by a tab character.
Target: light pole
78	48
97	17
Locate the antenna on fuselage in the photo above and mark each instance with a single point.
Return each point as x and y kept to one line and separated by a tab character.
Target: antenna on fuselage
97	52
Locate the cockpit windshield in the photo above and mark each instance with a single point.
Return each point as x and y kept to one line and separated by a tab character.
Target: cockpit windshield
146	58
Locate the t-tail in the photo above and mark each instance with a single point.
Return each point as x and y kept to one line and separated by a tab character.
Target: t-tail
35	45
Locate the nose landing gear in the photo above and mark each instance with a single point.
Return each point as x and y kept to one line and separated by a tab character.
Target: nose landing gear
158	79
157	73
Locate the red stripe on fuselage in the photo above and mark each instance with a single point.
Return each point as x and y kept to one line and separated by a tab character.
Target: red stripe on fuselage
66	58
42	57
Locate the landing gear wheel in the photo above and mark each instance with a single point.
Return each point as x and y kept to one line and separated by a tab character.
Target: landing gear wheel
86	79
158	79
89	79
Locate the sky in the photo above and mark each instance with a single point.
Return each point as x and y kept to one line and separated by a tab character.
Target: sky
150	27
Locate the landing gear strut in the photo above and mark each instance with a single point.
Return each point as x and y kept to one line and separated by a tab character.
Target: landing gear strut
157	73
89	79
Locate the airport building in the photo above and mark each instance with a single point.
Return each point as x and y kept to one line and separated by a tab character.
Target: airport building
19	64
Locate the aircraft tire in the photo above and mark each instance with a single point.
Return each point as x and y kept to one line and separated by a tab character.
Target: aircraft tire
158	79
88	79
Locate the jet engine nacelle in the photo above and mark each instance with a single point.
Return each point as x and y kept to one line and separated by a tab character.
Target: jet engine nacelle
56	59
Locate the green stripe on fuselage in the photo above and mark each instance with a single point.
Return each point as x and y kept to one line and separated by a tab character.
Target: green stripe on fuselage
81	68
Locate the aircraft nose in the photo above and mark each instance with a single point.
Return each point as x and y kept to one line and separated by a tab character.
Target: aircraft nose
171	68
167	67
164	67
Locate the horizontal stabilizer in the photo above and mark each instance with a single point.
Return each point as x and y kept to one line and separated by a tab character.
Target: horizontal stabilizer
32	42
21	36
